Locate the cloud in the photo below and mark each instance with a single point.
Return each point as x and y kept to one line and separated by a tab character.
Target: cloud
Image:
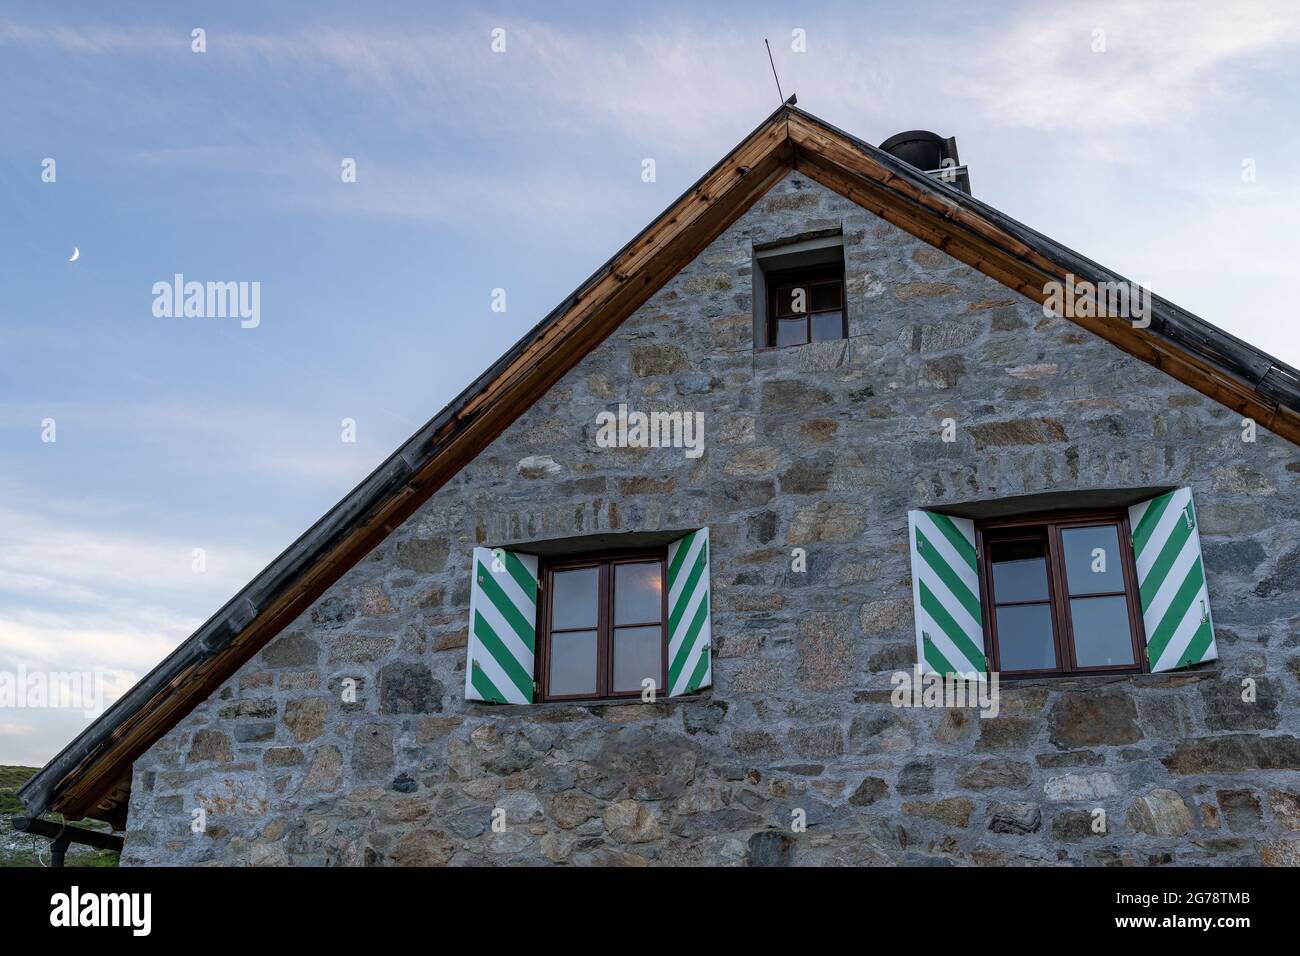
92	39
118	647
471	200
443	101
77	600
293	447
665	84
118	575
1159	63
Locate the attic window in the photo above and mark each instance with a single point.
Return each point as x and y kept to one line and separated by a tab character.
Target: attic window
799	294
806	305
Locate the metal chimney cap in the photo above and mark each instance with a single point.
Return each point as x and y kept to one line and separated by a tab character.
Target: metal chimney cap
911	134
920	147
930	153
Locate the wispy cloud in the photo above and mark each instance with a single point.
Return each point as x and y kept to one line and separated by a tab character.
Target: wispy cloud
106	604
296	446
666	81
660	88
1122	65
89	39
69	564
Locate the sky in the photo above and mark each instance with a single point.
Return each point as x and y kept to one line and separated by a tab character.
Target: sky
188	451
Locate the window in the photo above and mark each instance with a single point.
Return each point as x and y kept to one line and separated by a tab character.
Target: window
806	305
1060	594
806	272
577	623
603	627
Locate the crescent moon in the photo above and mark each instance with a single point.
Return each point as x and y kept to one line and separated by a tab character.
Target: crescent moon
76	254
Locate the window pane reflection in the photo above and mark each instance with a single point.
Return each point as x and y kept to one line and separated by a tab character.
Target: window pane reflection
792	331
573	663
1025	640
637	593
573	604
1101	631
1092	560
638	654
1019	571
827	326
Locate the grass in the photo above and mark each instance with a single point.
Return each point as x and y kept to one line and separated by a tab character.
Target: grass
22	849
11	778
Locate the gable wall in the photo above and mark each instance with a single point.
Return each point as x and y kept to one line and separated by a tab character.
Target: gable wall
824	448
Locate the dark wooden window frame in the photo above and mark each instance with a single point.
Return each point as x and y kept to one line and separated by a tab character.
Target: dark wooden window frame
807	275
605	562
1047	526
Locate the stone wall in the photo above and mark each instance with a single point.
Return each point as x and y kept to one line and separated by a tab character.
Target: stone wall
825	448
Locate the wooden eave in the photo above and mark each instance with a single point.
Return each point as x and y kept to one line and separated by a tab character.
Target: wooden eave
92	776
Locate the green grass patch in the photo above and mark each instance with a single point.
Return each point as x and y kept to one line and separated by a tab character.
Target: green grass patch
21	849
11	778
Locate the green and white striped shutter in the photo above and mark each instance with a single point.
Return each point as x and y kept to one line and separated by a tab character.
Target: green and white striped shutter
946	594
689	654
1171	581
502	627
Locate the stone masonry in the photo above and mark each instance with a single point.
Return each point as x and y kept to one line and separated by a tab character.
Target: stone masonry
824	448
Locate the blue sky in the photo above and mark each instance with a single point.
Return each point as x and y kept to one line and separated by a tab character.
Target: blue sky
478	170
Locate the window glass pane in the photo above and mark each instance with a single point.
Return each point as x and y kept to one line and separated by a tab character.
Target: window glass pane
573	603
573	663
1101	631
637	593
827	326
826	295
1092	561
792	300
1025	637
1019	571
638	654
792	331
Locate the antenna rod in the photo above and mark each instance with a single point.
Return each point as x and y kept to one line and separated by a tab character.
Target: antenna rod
774	76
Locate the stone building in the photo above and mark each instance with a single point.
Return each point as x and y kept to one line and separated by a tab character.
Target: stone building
907	465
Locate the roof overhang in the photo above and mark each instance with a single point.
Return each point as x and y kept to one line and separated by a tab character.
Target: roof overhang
92	775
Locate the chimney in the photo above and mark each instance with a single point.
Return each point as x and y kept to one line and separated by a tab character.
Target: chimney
932	154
